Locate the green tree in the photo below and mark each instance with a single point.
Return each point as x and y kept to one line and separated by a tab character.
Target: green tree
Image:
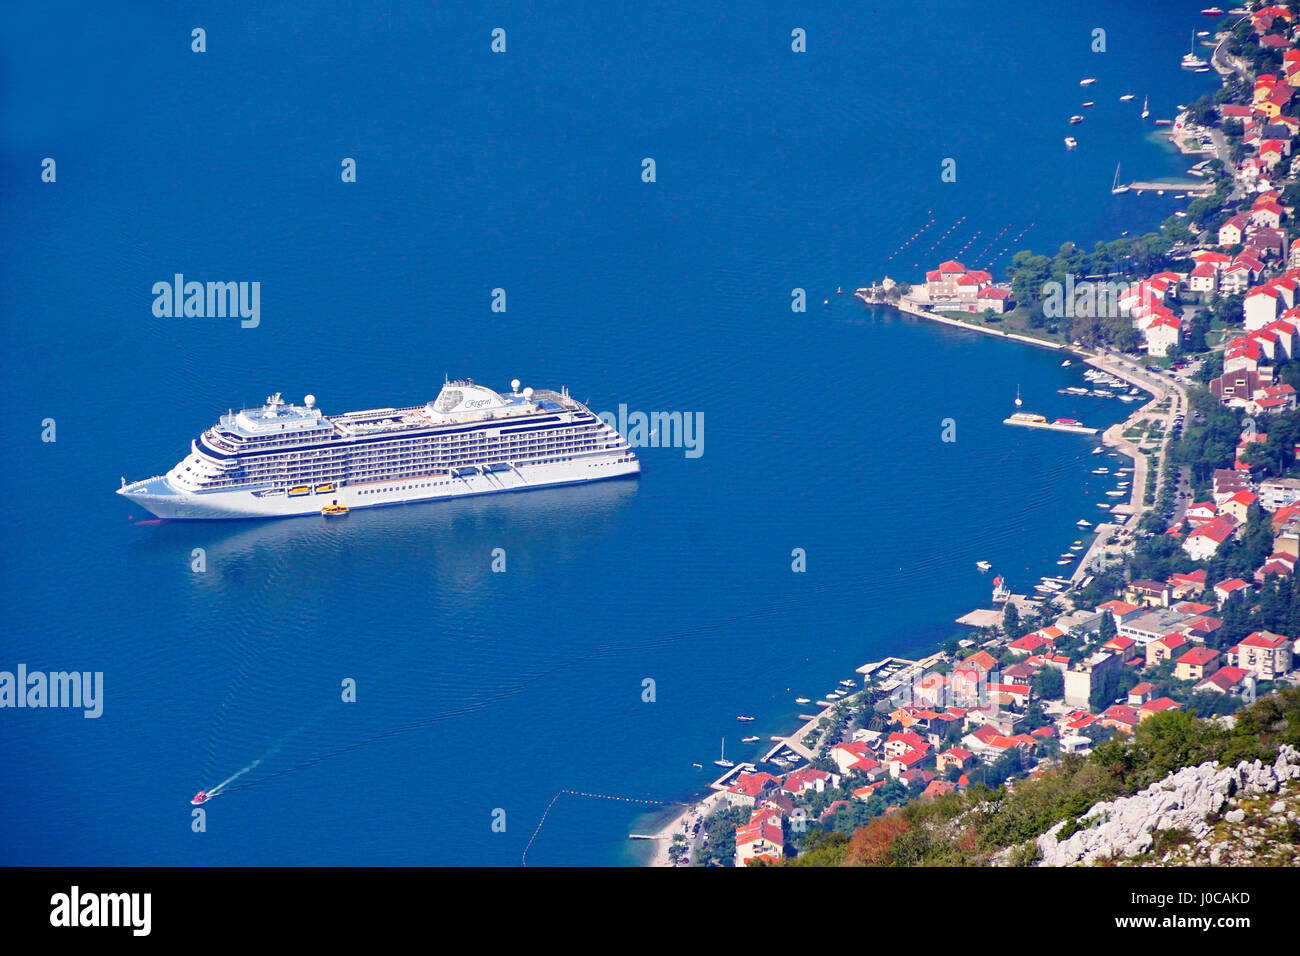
1010	620
1049	683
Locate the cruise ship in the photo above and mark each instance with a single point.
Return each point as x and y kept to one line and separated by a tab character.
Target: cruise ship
283	459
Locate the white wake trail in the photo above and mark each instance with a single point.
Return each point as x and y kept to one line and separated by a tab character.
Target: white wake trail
231	779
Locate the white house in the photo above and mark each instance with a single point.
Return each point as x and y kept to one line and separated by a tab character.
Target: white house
1202	543
1261	307
1164	333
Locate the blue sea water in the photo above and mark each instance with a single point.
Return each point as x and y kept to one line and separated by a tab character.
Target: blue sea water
482	692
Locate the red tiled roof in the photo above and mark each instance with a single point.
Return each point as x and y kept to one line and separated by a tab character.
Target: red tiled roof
1199	657
1264	639
1159	704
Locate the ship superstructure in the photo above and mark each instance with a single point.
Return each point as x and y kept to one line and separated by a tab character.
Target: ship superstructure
283	459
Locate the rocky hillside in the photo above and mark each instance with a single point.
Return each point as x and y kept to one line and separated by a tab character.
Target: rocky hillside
1248	814
1181	790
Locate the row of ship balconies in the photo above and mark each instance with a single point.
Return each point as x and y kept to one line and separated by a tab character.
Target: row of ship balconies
333	467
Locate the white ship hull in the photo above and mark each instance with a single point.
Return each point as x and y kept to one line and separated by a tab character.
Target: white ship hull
164	501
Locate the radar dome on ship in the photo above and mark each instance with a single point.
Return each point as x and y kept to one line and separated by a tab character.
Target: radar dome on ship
514	385
309	401
528	392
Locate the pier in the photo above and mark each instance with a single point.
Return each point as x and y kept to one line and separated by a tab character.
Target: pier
1191	189
1056	426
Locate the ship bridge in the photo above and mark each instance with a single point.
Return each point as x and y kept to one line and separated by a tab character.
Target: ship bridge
463	401
274	418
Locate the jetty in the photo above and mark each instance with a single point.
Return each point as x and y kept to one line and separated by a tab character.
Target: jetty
1026	420
1191	189
911	305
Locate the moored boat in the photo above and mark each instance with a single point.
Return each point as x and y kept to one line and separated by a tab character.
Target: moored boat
723	761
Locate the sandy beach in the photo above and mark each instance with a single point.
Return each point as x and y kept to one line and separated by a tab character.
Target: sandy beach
681	823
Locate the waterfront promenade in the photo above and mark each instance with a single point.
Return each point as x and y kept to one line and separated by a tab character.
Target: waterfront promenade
901	673
914	306
1162	388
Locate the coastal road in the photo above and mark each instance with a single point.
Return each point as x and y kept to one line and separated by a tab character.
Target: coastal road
1161	387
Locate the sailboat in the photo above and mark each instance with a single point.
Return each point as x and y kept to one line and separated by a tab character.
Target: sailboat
723	761
1191	61
1115	188
1018	401
1146	106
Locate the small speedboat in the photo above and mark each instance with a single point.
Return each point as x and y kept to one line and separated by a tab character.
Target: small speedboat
1065	364
803	700
983	565
1076	119
1084	523
200	797
750	740
745	718
1071	142
1088	81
